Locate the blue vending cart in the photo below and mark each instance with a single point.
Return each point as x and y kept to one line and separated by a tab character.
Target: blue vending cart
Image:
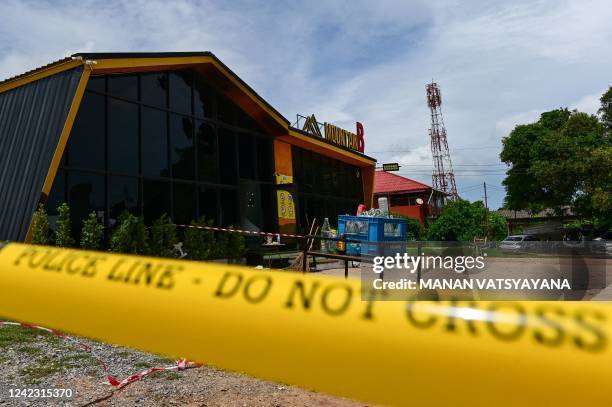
390	232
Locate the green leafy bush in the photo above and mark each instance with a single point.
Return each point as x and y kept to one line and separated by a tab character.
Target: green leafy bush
414	229
40	226
163	237
235	246
63	232
130	236
463	221
92	233
220	249
199	244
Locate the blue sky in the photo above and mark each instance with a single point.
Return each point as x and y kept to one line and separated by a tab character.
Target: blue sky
498	63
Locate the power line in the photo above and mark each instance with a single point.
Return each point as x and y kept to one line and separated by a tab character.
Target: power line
455	165
452	149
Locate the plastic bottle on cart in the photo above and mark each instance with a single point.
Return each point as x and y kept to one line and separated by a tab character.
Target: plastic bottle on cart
325	232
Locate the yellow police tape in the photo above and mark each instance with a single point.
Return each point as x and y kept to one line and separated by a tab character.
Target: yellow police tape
316	332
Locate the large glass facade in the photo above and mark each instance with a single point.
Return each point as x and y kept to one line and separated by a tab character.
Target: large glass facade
324	187
165	142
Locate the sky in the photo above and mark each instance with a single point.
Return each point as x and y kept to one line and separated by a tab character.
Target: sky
498	64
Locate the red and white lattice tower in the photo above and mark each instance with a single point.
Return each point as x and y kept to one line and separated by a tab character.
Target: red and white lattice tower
443	177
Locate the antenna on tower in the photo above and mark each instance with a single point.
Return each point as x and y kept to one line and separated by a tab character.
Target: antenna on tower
443	177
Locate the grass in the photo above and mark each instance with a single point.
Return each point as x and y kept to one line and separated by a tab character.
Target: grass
143	365
30	350
23	339
165	361
11	335
77	360
171	375
44	367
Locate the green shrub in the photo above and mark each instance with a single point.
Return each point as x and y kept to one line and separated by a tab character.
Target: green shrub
63	231
163	237
235	246
93	232
464	221
199	244
130	236
40	226
414	229
220	249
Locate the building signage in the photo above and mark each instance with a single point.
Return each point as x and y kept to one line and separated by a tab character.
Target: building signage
335	134
391	167
286	207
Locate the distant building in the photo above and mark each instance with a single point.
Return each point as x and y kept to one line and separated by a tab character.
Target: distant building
408	197
546	224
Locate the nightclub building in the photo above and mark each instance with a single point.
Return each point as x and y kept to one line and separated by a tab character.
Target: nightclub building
176	133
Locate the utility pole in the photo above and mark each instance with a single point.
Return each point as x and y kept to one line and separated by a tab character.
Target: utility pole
484	184
485	191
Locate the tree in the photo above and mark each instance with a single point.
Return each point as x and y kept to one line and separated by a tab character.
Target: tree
130	236
63	232
606	108
163	237
40	226
522	150
92	233
562	160
464	221
199	244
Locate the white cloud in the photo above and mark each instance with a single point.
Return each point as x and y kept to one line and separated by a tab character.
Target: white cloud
589	103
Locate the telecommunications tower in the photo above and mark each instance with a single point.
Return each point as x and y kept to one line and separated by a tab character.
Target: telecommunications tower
443	177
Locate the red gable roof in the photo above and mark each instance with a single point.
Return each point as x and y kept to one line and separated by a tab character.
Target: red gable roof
386	182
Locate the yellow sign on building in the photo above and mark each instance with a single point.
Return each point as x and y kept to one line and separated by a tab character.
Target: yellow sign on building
286	206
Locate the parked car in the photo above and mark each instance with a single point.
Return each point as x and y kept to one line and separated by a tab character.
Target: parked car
603	244
518	243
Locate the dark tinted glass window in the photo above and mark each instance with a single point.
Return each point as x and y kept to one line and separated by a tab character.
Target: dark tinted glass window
229	208
86	144
182	150
207	152
122	195
227	156
156	200
180	91
203	98
269	206
208	203
225	109
122	136
154	88
184	203
85	194
325	187
58	193
246	156
123	86
265	159
154	142
243	120
97	83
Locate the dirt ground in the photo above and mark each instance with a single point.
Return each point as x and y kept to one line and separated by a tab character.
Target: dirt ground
35	359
